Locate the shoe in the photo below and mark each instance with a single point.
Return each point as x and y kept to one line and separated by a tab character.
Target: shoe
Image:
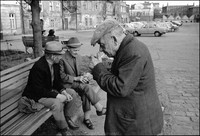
71	124
88	123
102	112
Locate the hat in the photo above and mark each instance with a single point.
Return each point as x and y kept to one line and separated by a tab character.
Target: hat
73	42
54	47
102	29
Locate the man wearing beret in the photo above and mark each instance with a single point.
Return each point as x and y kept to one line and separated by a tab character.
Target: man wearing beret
133	106
44	86
72	78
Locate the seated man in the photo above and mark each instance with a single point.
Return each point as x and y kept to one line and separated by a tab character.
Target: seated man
44	86
71	78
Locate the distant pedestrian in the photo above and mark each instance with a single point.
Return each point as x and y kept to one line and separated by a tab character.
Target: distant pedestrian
51	33
133	106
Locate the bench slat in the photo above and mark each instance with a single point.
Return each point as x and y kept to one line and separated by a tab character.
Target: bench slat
13	120
8	109
37	123
15	68
11	101
14	79
19	85
16	73
16	123
8	116
19	128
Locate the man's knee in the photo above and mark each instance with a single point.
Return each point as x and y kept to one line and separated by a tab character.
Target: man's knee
57	105
72	92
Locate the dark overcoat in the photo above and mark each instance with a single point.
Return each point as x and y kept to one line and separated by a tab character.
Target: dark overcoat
39	81
133	106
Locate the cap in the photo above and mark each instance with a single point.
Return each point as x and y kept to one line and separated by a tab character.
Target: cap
54	47
73	42
102	29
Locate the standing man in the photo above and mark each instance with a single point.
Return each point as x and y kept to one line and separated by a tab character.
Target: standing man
71	78
133	106
44	86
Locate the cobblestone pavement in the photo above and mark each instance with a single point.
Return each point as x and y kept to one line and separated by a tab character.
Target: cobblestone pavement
176	62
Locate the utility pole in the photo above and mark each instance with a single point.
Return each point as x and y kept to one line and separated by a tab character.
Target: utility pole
22	17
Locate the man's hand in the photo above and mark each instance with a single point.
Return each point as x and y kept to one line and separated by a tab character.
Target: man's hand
94	61
82	79
68	96
61	97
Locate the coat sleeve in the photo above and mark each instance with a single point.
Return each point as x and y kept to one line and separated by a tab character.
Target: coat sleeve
66	78
123	83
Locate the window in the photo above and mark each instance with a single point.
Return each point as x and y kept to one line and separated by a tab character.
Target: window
12	21
30	24
51	23
50	5
90	21
58	6
86	21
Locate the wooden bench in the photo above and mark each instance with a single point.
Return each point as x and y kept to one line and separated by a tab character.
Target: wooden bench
13	122
28	41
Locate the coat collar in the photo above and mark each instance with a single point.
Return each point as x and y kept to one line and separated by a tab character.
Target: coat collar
127	39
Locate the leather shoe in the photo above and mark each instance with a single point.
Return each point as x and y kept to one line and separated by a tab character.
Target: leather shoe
71	124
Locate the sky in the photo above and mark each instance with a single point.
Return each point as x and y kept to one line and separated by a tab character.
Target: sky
164	3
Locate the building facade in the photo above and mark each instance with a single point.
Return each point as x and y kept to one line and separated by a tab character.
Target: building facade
142	11
60	15
184	13
10	18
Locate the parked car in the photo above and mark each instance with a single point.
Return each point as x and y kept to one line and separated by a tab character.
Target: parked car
164	25
150	29
173	27
178	23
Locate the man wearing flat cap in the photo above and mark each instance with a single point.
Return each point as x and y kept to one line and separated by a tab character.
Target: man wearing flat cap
133	106
44	86
72	78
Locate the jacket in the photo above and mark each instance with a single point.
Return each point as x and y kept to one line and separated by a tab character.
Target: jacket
133	106
68	70
39	81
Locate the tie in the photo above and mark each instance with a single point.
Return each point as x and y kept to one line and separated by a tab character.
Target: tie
52	74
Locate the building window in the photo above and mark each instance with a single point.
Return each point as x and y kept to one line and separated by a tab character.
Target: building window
91	21
86	21
51	23
50	5
12	21
58	6
30	24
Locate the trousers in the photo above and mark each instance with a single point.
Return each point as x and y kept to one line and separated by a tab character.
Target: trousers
88	95
60	109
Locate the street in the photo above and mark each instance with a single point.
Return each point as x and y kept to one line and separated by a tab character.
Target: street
176	61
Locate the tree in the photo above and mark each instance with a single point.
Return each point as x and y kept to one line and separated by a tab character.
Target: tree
36	25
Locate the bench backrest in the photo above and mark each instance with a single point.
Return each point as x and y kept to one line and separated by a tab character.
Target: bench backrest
28	40
13	81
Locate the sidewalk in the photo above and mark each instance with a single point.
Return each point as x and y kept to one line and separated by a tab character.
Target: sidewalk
7	38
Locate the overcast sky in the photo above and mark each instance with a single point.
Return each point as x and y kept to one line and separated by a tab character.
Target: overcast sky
164	3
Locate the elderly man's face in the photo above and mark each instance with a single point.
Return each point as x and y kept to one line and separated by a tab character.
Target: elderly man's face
56	58
108	45
74	51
